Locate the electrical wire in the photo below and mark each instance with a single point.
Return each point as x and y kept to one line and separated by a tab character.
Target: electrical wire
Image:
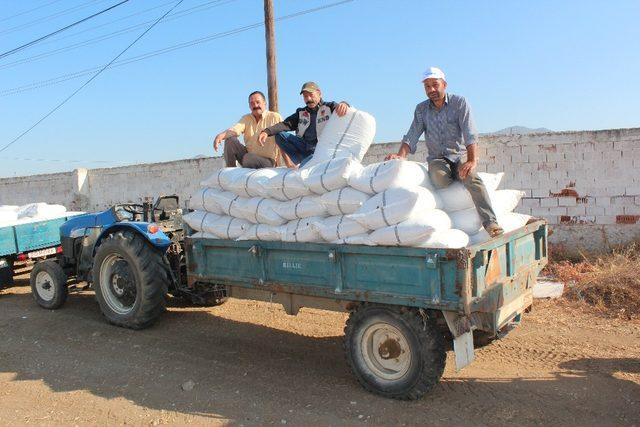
29	11
31	43
108	36
95	27
90	80
70	76
50	17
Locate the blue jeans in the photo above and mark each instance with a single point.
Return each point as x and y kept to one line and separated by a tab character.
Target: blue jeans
295	147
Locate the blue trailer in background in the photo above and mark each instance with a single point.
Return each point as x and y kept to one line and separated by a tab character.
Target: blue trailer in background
32	240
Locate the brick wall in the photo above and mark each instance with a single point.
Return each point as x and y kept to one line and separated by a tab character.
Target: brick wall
586	184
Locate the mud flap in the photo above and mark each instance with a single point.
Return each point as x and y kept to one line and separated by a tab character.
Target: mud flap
462	338
463	348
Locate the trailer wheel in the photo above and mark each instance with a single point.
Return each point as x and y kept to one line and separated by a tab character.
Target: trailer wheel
130	280
6	272
394	353
48	284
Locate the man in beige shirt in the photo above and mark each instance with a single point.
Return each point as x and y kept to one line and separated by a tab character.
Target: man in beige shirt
252	154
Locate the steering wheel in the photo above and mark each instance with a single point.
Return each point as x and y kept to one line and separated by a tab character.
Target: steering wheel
133	208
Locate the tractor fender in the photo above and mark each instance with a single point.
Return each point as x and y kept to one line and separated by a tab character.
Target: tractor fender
158	240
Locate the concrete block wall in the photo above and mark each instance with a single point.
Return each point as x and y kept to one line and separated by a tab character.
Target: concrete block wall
586	184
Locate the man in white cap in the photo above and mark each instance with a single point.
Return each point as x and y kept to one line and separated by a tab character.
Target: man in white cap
450	133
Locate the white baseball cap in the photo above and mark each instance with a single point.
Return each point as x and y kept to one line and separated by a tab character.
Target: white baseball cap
433	73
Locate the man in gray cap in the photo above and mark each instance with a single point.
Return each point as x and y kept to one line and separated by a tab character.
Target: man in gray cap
308	123
450	133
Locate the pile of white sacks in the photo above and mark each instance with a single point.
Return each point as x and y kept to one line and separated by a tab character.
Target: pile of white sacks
14	215
336	199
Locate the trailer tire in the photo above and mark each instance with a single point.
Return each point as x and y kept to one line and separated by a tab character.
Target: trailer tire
48	284
396	353
130	280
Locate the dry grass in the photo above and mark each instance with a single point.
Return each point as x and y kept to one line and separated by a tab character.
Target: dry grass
610	283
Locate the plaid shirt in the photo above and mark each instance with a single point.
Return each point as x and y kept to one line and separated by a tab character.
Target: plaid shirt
448	131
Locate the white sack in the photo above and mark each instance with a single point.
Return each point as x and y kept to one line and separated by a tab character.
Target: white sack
358	239
338	227
197	219
203	235
502	202
222	178
302	207
491	180
262	232
203	200
330	175
346	136
467	220
344	201
377	177
456	197
393	206
415	229
286	185
226	227
40	210
251	182
8	217
229	203
508	221
427	181
446	239
260	211
301	230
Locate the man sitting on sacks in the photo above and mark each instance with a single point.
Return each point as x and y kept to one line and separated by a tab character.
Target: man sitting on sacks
252	154
308	123
450	132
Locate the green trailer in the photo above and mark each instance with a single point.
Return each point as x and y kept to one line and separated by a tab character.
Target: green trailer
406	305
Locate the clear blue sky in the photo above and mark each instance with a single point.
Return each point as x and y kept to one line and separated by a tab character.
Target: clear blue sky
563	65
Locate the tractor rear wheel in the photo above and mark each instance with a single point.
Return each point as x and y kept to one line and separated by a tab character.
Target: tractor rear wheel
130	280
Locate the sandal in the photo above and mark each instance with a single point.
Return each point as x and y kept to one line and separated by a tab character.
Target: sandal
493	229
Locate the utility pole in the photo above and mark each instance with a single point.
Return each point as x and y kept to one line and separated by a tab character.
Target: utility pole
270	38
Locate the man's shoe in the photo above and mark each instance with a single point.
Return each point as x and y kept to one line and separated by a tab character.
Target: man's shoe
493	229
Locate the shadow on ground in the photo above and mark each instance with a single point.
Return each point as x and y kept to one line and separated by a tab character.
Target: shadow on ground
256	374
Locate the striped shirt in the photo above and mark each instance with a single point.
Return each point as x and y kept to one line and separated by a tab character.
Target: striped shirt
447	131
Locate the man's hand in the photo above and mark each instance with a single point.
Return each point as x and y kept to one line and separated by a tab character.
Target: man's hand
466	168
262	138
341	109
217	141
394	157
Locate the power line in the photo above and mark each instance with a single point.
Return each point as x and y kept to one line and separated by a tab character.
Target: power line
115	33
111	22
28	11
70	76
31	43
50	17
90	80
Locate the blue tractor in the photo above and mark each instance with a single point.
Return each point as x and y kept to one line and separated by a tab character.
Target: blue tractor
132	255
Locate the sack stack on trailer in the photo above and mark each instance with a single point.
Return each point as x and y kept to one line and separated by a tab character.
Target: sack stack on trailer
335	199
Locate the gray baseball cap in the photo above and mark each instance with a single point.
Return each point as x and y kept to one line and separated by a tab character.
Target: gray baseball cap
309	87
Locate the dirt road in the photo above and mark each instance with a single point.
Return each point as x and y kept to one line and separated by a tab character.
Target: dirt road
252	364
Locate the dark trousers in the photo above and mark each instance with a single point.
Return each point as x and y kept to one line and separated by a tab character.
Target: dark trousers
443	172
295	147
234	152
